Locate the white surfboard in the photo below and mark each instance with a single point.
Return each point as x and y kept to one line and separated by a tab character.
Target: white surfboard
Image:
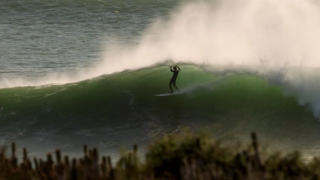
166	94
182	91
171	94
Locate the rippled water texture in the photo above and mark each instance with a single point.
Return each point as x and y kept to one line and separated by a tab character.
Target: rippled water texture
43	36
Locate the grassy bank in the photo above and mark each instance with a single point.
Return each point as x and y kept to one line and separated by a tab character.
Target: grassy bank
187	156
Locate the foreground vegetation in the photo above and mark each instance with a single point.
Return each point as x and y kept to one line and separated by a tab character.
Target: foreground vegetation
184	156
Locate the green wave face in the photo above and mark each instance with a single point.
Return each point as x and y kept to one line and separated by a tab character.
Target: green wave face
207	97
125	104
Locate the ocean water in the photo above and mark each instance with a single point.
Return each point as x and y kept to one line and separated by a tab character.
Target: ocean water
87	72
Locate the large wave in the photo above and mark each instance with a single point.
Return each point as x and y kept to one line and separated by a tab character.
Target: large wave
277	39
116	110
208	97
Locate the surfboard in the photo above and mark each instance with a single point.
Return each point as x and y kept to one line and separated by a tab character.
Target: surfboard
170	94
166	94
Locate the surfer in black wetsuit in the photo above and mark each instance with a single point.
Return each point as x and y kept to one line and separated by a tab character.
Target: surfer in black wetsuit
175	71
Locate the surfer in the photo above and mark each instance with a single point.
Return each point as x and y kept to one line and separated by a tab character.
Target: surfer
175	71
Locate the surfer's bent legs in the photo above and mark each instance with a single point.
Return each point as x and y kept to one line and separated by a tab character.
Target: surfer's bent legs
174	84
172	81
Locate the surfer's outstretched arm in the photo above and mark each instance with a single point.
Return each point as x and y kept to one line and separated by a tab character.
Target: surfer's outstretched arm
171	69
178	68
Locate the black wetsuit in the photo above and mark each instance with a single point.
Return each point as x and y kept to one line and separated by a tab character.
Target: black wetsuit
174	78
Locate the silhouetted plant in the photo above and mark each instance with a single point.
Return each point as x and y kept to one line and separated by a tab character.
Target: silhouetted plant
185	156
